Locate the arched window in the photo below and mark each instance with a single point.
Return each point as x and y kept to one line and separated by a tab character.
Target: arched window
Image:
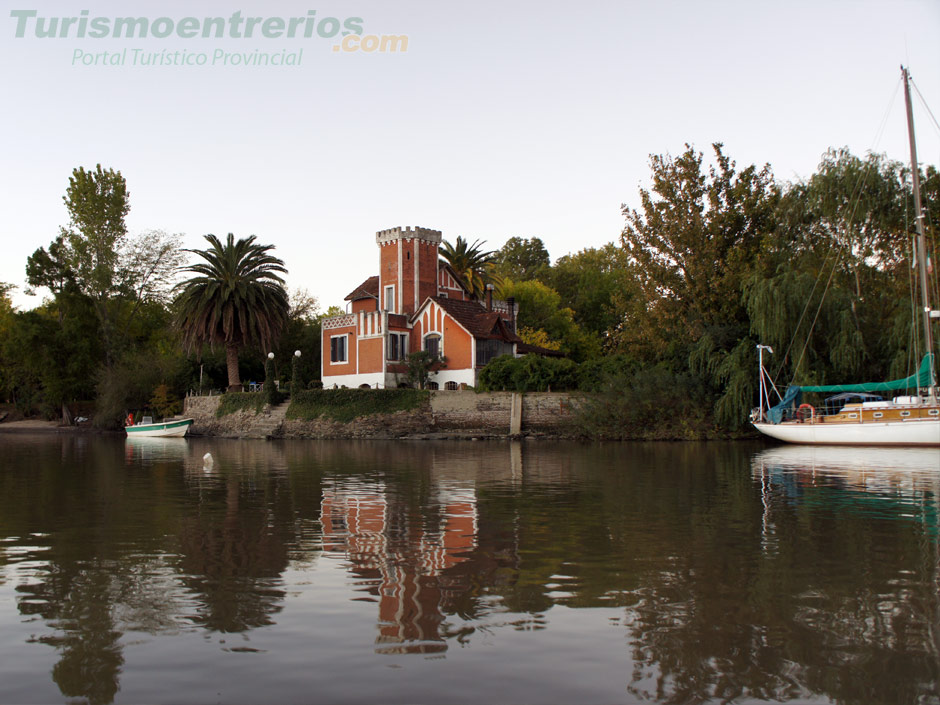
451	386
432	344
432	385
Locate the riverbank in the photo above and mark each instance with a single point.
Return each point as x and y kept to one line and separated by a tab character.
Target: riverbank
44	426
353	414
436	415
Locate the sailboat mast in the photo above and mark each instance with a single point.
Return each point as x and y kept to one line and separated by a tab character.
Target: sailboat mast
919	220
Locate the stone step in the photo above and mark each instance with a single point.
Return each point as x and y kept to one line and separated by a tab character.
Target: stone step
268	422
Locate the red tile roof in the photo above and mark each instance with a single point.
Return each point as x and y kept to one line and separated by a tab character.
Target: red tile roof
369	289
526	348
483	324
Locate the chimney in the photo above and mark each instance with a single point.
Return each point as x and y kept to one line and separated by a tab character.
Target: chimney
489	297
511	305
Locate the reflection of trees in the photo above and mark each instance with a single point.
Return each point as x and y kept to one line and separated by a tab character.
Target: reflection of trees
104	511
78	602
721	593
675	539
234	550
75	495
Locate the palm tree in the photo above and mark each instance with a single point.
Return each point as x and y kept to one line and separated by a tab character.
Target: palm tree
473	265
236	299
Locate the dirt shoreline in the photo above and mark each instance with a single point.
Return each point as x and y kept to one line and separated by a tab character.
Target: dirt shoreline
43	426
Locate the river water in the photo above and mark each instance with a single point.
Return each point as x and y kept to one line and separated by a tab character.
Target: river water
465	572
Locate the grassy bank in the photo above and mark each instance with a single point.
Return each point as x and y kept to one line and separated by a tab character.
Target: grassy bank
345	405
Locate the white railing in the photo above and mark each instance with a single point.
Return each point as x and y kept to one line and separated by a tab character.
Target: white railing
343	321
367	323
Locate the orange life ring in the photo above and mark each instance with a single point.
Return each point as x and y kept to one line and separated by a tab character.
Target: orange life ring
812	413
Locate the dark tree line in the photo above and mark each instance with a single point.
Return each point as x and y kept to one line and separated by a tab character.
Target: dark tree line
712	260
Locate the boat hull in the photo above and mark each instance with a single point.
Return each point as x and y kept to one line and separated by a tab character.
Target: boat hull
914	432
166	429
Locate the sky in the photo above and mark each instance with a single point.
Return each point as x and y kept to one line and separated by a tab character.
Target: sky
500	119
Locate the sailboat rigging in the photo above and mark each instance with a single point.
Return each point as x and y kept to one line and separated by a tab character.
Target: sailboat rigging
855	416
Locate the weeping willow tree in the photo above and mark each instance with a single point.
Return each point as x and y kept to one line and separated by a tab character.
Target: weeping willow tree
832	293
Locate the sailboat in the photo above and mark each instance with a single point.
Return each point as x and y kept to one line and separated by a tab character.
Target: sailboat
857	414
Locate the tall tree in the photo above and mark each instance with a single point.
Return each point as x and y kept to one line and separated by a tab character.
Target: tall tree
832	293
94	257
472	263
544	321
237	298
588	281
522	259
691	247
695	240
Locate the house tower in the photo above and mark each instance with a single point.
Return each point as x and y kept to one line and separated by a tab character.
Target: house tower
407	268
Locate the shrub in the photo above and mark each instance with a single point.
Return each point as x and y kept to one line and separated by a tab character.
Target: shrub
530	373
164	401
594	374
647	404
345	405
232	402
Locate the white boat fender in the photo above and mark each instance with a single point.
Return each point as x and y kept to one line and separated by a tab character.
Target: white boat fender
207	461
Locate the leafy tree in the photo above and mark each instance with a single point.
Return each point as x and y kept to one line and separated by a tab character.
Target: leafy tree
521	259
301	332
589	282
164	401
529	373
538	337
50	269
474	265
97	202
691	246
420	366
543	319
236	299
832	292
49	363
7	321
94	257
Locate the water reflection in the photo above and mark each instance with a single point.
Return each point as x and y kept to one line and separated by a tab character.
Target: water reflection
536	572
405	563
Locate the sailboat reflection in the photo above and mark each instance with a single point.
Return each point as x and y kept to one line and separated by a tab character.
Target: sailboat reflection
878	483
862	468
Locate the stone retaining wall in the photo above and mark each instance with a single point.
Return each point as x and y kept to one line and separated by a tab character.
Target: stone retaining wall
450	412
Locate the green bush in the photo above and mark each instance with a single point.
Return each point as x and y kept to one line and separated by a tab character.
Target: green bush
647	404
594	374
345	405
240	401
530	373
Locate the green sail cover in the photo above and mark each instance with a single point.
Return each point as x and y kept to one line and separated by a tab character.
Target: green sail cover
921	379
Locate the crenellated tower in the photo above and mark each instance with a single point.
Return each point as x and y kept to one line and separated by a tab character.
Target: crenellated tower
407	267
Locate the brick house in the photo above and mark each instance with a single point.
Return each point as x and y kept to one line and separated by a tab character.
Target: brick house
416	302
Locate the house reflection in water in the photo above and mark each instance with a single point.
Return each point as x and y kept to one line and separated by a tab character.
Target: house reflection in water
408	561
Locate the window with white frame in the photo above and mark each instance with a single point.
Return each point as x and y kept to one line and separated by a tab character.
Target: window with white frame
390	298
397	346
338	351
432	344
